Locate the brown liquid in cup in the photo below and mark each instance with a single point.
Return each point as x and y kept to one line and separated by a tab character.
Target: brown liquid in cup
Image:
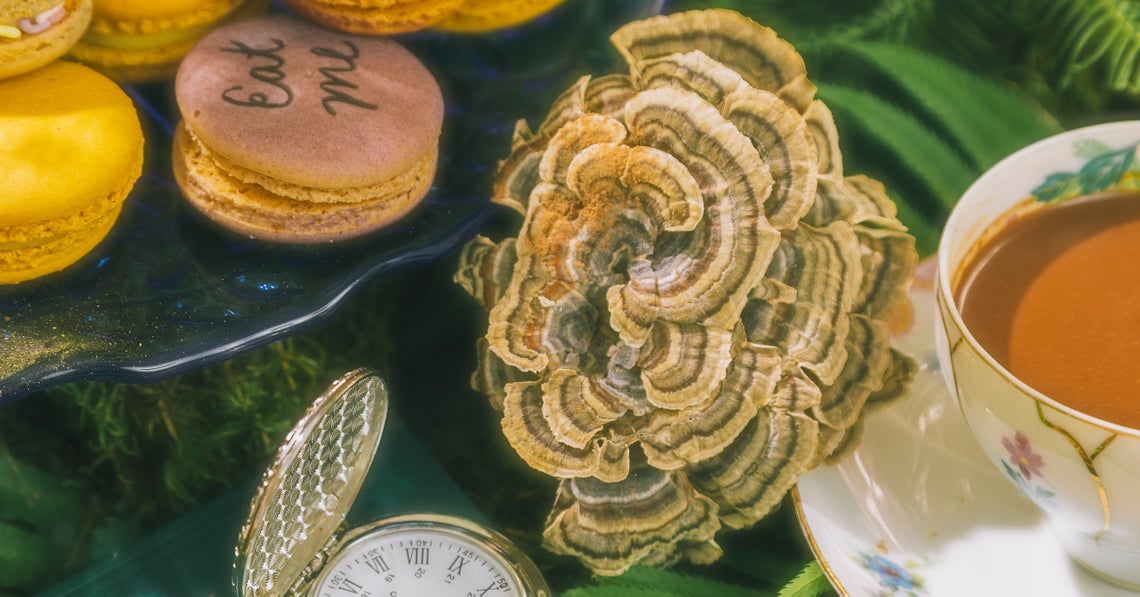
1054	296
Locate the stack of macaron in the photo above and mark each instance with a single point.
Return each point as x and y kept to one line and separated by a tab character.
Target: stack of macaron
144	40
291	131
296	133
71	148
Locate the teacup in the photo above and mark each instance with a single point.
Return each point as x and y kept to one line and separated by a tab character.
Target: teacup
1083	472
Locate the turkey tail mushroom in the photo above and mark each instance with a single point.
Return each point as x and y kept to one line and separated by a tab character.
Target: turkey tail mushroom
692	314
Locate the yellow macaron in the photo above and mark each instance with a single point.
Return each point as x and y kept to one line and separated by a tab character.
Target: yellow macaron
477	16
35	32
144	40
382	17
71	149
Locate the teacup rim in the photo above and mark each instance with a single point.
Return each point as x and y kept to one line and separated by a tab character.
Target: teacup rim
943	281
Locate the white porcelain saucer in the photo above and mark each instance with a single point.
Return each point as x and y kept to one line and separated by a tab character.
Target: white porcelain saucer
916	509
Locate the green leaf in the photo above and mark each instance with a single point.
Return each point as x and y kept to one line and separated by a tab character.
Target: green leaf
33	497
984	120
907	141
807	22
810	582
1079	34
615	591
926	233
641	580
763	563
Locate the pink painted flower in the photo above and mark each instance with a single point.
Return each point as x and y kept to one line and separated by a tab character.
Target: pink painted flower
1022	455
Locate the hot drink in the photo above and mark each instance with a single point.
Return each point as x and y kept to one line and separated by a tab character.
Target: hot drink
1054	296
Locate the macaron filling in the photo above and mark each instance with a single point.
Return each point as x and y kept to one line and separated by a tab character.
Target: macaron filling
422	167
129	23
392	17
34	24
144	41
29	251
286	211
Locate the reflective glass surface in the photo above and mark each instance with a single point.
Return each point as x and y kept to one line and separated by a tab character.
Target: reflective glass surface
168	291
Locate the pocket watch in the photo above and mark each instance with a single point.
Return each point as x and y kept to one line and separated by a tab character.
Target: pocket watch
293	542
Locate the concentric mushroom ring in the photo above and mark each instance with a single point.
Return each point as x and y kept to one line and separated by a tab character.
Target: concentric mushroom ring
692	313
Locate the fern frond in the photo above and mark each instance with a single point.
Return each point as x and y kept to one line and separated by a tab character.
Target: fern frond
924	229
924	175
889	20
933	163
1080	34
807	23
986	121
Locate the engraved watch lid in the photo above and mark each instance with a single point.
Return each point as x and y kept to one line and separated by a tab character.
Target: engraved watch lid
307	491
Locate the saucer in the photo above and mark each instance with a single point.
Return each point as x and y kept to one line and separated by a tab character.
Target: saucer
916	509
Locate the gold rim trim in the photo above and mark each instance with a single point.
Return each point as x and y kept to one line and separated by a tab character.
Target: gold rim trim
1108	577
827	571
951	349
948	308
1087	458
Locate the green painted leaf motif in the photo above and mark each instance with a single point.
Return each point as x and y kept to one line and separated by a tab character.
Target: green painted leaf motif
1103	172
1090	148
1015	475
1057	186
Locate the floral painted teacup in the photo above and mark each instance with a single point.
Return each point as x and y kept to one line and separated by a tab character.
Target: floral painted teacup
1083	472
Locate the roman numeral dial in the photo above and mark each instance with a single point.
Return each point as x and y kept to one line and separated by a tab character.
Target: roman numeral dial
440	557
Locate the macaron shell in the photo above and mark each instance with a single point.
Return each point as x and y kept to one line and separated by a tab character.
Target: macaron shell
69	137
140	41
20	262
253	211
29	52
133	65
488	15
378	17
140	15
308	105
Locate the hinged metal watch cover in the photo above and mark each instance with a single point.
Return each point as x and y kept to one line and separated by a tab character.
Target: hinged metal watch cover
307	491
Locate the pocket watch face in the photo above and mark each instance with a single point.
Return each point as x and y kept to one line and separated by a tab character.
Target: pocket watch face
427	555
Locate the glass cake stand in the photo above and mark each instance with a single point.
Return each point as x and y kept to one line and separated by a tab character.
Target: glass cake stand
168	291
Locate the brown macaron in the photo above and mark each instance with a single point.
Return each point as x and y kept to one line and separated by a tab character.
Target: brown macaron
295	133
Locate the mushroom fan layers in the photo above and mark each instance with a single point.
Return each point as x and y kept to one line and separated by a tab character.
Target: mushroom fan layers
692	314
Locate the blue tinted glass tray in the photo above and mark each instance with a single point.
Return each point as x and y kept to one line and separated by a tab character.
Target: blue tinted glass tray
168	291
